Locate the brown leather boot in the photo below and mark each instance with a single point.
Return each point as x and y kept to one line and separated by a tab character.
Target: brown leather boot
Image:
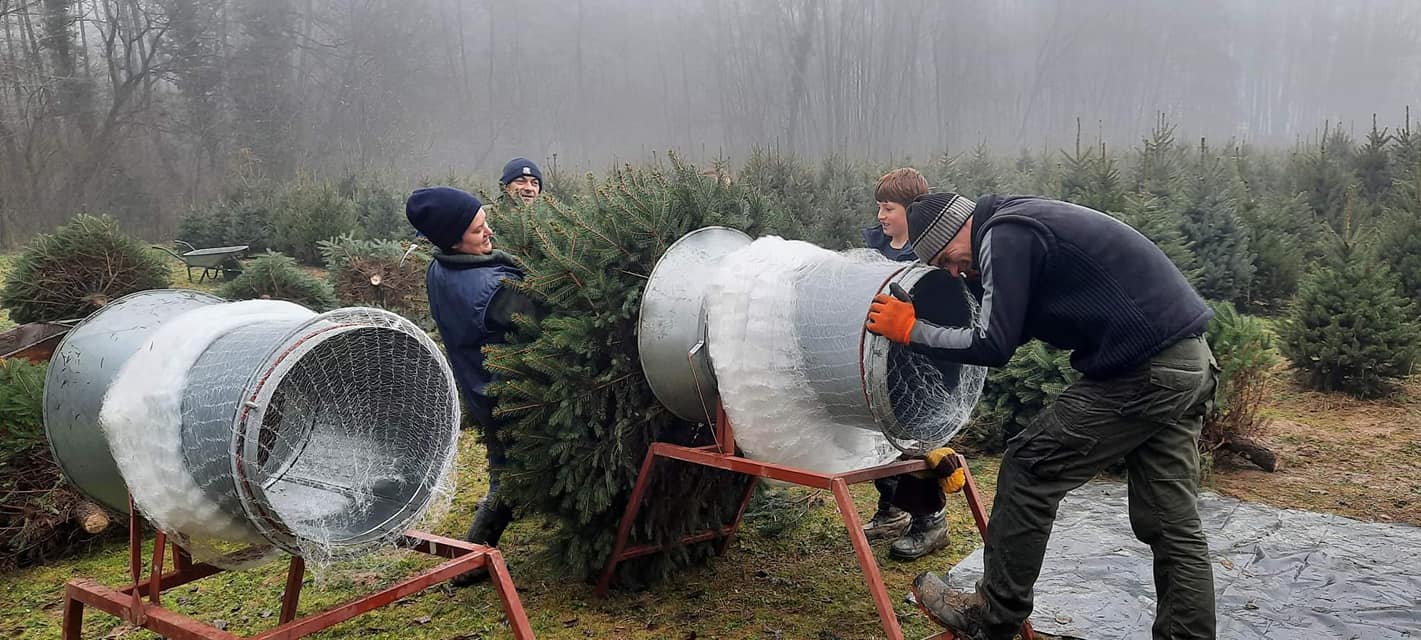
887	523
958	611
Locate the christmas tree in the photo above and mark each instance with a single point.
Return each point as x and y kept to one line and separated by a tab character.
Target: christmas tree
1091	179
945	171
1210	224
82	266
1150	216
830	206
1159	162
1016	393
1401	240
278	277
979	175
1372	164
1281	234
1350	330
841	203
1244	350
582	415
377	273
1407	150
1323	175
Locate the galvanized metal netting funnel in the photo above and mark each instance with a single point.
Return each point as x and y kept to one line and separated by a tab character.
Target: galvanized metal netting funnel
775	330
255	421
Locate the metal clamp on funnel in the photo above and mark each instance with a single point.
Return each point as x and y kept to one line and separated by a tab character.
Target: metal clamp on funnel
671	327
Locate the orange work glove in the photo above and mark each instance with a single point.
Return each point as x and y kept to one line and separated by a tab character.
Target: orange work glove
891	318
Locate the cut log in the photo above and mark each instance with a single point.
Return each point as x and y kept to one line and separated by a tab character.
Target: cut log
1254	452
90	516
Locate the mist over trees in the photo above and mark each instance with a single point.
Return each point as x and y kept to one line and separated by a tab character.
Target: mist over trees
143	108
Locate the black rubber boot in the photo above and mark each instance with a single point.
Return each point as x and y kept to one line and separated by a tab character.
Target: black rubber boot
491	517
926	535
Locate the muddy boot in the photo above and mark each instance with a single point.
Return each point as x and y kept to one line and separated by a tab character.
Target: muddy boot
887	523
490	519
959	611
926	535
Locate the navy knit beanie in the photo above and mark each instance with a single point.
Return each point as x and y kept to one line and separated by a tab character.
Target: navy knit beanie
517	168
442	214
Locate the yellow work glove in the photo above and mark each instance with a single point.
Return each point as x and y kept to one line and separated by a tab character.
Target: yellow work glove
891	318
942	462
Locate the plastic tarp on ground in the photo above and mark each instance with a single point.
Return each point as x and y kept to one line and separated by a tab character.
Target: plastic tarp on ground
1278	573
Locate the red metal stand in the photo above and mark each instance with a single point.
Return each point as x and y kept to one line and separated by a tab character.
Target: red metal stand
128	604
722	456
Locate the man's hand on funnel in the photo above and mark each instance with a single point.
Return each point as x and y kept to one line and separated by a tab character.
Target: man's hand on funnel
892	318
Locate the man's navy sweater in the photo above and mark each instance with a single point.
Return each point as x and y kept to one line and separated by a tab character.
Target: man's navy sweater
1074	278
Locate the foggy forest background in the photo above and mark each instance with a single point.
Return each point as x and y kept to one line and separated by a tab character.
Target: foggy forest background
145	109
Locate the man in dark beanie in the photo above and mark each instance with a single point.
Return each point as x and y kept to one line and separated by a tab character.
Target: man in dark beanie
1079	280
521	179
472	308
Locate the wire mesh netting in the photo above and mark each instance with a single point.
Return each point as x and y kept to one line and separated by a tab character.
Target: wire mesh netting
929	400
264	424
802	381
351	437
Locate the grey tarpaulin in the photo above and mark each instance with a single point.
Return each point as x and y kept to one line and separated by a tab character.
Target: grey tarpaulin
1278	573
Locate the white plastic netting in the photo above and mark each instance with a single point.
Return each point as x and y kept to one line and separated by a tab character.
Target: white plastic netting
261	423
799	377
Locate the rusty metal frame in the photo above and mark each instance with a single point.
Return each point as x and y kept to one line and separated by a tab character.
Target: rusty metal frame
128	603
721	455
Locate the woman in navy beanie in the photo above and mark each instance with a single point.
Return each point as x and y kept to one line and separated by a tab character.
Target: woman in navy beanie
472	308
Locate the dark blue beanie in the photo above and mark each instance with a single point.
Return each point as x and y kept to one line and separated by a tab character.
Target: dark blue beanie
517	168
442	214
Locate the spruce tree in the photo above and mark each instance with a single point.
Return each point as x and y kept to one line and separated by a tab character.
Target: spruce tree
1400	244
1372	164
1350	330
1091	179
1407	150
1210	224
311	211
85	264
945	172
1014	394
278	277
1244	350
1281	231
979	176
377	273
1324	175
581	413
841	203
1024	176
1161	224
792	186
1159	162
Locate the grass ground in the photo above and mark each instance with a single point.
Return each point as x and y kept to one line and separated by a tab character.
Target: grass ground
1341	455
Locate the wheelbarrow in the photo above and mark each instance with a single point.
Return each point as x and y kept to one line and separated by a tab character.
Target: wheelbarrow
214	262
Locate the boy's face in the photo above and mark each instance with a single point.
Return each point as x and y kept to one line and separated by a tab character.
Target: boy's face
894	218
525	187
478	238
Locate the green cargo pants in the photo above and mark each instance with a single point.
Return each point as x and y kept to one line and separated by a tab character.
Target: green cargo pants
1151	417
